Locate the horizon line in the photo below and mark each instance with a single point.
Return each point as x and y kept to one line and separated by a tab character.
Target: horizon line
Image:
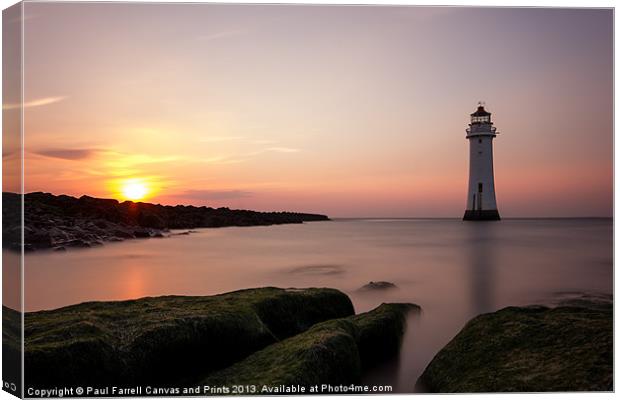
321	213
503	218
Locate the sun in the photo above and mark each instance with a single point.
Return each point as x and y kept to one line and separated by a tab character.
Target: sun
134	190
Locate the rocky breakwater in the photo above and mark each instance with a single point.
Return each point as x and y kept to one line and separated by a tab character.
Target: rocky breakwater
63	221
264	336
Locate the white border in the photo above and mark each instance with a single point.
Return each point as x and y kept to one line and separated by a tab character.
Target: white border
484	3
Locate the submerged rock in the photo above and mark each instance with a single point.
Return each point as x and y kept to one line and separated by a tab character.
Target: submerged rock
168	339
531	349
326	269
379	285
582	299
332	352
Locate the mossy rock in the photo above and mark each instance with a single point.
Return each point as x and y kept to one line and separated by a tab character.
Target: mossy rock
532	349
332	352
171	339
11	347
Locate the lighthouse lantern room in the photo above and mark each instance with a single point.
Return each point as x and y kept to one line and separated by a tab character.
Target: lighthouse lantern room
481	204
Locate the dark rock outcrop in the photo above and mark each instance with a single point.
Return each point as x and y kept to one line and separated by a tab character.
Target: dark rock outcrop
531	349
65	221
333	352
167	340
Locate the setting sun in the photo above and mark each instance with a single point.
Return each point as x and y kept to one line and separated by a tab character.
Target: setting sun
134	190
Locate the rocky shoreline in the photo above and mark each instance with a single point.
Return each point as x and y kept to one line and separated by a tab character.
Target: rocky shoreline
305	337
254	336
62	222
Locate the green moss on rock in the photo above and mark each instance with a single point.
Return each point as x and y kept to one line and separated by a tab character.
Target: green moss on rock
11	346
532	349
380	331
171	339
332	352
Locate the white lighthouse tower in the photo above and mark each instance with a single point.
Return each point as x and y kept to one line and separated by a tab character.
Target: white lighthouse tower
481	205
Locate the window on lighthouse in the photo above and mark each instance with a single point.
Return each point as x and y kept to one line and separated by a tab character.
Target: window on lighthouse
480	119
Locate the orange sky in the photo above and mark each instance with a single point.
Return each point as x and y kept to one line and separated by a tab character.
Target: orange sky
348	111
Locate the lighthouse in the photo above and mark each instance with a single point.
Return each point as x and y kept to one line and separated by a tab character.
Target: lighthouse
481	205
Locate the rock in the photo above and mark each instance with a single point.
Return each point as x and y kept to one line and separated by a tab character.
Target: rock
11	235
60	235
50	220
101	224
151	221
380	331
379	285
77	243
167	340
11	346
38	238
582	299
121	233
531	349
142	233
333	352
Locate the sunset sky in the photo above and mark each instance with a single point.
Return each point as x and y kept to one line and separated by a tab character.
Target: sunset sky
343	110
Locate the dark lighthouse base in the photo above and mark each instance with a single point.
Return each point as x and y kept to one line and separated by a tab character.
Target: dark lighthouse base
481	215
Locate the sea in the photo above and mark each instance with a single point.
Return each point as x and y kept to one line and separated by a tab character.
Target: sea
454	270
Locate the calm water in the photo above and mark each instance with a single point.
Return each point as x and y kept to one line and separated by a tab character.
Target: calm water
452	269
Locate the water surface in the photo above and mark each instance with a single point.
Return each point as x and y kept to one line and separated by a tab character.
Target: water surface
453	269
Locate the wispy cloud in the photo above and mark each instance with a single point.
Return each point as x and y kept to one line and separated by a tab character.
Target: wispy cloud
221	160
67	154
214	194
275	149
262	141
107	156
222	34
235	138
244	156
34	103
136	159
116	163
216	139
282	149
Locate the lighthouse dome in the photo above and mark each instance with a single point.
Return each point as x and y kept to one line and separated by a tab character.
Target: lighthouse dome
480	112
480	116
